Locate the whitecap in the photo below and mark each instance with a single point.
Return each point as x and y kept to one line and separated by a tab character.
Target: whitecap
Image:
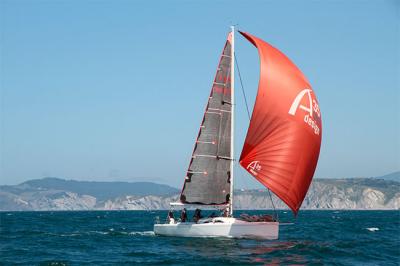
72	234
142	233
372	229
99	232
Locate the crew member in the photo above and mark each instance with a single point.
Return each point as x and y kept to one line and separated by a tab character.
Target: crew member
171	217
197	215
183	215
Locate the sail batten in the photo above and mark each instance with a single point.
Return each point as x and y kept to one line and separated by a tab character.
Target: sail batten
207	180
283	140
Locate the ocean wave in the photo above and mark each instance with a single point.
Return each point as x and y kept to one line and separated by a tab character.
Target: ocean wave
113	232
99	232
142	233
72	234
314	237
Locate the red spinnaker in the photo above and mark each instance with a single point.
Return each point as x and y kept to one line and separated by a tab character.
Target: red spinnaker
284	137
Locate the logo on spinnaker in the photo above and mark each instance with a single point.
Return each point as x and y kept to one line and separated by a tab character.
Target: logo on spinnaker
311	109
254	167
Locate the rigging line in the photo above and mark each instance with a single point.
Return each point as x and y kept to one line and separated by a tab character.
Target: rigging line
273	205
241	85
248	114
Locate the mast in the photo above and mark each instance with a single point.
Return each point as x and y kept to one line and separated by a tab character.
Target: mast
232	117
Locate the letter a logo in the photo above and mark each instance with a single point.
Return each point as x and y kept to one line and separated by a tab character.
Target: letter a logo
296	103
254	167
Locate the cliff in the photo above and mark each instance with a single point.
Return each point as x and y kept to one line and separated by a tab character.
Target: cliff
59	194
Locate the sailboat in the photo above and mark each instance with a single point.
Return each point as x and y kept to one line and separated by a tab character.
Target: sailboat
281	148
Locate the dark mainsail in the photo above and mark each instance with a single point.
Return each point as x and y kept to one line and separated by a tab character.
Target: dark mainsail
208	177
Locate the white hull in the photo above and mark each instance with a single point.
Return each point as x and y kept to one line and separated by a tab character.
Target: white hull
220	227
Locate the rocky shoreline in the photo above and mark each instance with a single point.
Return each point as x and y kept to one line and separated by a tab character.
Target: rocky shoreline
334	194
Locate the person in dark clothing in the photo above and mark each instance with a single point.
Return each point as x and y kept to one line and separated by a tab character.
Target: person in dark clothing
183	216
197	215
171	217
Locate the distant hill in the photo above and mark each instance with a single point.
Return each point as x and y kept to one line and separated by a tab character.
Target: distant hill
101	190
60	194
393	176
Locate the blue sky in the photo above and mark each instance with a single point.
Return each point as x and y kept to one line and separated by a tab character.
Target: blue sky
115	90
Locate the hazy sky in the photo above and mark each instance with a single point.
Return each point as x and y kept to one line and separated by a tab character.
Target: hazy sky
115	90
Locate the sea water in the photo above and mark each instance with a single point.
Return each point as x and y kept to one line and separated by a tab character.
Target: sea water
126	237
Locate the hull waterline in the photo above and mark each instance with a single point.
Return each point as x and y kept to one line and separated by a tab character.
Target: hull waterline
226	227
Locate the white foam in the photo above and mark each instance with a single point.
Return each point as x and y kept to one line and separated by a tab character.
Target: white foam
73	234
99	232
142	233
